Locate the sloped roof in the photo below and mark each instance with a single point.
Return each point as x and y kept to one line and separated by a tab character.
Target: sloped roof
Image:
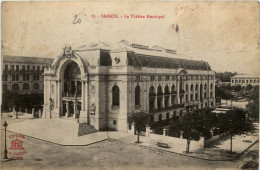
141	60
27	60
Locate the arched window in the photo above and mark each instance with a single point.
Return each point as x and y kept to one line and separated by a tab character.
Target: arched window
159	97
166	95
173	88
26	86
36	86
187	87
196	87
191	87
115	99
137	95
211	86
243	81
151	97
205	86
15	87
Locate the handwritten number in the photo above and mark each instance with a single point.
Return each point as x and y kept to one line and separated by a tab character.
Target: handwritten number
77	20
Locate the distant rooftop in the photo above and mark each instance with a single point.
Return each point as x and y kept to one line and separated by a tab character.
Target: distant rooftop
245	76
25	59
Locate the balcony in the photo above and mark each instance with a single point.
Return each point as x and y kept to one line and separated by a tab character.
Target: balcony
175	106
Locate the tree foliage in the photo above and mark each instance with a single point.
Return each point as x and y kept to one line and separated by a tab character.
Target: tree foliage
140	120
226	76
253	105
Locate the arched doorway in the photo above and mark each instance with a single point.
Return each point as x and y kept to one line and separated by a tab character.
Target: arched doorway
71	89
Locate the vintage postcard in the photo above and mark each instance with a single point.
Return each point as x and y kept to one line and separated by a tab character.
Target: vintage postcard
130	85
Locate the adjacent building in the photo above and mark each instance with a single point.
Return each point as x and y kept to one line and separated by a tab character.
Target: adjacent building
244	80
107	83
22	75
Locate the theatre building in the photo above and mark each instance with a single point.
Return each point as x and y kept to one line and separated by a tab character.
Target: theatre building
107	83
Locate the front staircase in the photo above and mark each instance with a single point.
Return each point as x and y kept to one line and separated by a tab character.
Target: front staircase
85	129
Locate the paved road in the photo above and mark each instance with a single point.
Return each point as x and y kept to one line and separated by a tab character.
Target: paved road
109	154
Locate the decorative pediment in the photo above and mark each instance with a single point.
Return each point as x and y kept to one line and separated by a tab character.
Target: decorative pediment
67	52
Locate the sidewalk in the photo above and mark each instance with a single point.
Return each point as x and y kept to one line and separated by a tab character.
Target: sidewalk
58	131
219	151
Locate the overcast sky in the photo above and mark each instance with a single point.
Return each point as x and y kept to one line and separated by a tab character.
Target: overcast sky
225	34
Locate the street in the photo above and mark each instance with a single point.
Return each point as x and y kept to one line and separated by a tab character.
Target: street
109	154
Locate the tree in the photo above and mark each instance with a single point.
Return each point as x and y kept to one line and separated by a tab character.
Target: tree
140	120
249	87
253	105
191	126
226	76
235	123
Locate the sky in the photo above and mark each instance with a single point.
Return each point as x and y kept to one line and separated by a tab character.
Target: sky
225	34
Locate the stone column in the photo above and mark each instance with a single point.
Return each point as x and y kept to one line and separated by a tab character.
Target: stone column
178	91
75	109
162	101
40	113
181	135
164	132
67	109
147	131
33	112
14	111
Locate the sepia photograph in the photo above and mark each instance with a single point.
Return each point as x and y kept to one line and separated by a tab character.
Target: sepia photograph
130	85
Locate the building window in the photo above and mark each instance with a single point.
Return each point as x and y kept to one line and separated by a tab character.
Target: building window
167	116
38	68
15	87
28	68
35	77
24	77
17	67
33	68
137	78
211	94
137	95
174	114
16	77
5	77
36	86
26	86
28	77
13	77
167	78
211	86
115	94
196	87
5	87
191	87
191	97
159	97
243	81
151	97
196	96
160	117
159	78
12	67
152	78
23	67
114	122
42	68
187	100
205	95
181	113
6	67
187	87
205	87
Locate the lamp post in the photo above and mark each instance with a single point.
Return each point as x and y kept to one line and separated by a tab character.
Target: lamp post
51	105
5	151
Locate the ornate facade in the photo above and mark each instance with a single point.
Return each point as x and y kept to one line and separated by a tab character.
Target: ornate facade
107	83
